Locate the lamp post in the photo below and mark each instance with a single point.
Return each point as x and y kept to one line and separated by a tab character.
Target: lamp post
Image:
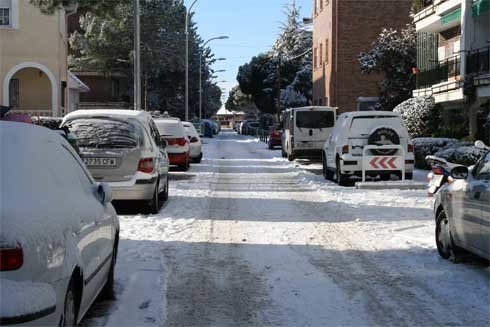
188	13
200	70
137	57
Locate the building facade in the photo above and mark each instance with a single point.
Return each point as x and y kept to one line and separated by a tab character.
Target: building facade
34	77
453	44
342	29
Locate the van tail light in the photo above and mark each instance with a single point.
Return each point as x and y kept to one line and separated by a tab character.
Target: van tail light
410	148
345	149
146	165
11	258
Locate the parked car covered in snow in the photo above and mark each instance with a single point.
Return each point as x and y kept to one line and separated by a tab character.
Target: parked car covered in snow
379	135
195	144
173	132
124	149
462	212
59	231
305	130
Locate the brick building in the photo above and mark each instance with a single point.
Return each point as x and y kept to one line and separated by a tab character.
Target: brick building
342	29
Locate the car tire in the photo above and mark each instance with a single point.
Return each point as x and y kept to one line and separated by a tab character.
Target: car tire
108	290
283	153
70	307
269	145
154	204
199	159
326	172
165	191
341	179
444	239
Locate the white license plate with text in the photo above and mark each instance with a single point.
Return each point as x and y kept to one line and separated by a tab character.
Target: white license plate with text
100	162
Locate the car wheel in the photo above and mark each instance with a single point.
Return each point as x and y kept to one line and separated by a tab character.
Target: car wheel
326	172
269	144
70	308
108	290
283	153
444	240
165	192
199	159
290	157
341	179
154	205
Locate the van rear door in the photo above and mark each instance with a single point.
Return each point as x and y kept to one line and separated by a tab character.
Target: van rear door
312	127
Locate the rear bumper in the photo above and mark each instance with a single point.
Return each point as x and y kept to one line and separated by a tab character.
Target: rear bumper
178	158
353	166
136	190
275	141
307	153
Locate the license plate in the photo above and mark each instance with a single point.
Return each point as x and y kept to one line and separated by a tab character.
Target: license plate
100	162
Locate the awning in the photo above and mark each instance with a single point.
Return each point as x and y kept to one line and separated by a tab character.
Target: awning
75	83
450	16
480	6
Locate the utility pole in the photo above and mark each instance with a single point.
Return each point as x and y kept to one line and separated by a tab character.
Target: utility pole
137	57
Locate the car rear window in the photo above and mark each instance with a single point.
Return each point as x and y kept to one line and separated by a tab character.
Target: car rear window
315	119
105	133
364	125
170	128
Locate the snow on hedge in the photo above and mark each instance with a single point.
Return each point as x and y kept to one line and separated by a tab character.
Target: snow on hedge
417	114
452	150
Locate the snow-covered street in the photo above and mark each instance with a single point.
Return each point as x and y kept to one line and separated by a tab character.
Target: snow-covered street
250	239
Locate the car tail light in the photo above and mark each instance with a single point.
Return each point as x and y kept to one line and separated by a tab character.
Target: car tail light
171	141
437	171
181	141
146	165
11	258
345	149
410	148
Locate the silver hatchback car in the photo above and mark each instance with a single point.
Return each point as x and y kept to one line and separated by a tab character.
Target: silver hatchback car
123	148
462	211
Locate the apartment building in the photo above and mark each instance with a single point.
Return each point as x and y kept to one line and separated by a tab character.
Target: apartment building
342	29
453	44
34	77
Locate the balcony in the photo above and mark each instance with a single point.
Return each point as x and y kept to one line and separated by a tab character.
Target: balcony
447	70
478	62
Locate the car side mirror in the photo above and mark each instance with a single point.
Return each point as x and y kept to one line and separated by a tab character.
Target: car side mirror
194	139
480	145
104	192
163	144
460	172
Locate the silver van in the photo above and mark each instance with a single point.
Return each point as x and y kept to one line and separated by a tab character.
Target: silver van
123	148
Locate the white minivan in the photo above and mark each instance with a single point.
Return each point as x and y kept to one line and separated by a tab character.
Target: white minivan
305	131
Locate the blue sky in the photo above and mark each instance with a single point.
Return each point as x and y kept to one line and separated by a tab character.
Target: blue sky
252	26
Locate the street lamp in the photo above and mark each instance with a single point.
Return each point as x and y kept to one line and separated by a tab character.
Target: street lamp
187	60
200	69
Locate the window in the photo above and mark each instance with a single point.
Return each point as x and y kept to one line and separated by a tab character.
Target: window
6	13
4	16
315	119
321	54
315	58
326	51
14	92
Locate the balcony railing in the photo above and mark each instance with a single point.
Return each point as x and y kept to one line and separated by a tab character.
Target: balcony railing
445	70
478	61
425	8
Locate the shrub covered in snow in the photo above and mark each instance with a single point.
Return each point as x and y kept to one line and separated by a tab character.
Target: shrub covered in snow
425	146
452	150
420	115
464	154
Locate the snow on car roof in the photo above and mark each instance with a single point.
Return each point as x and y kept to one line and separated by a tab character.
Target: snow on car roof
123	113
371	113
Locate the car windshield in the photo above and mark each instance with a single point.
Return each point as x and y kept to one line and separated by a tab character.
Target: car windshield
315	119
362	126
105	133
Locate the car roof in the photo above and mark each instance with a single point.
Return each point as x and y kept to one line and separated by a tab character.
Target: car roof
370	113
313	107
121	113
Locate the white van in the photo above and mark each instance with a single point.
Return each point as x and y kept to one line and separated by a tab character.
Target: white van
305	131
